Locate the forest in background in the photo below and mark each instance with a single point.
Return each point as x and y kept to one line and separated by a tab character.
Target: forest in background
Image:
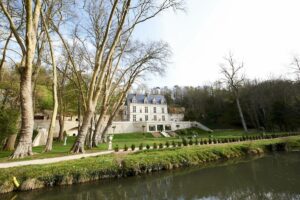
272	105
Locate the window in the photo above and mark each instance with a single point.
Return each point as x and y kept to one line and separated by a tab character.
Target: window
141	110
134	118
154	101
133	100
146	100
146	117
146	109
134	109
39	117
141	119
154	117
163	118
154	109
152	128
168	127
163	110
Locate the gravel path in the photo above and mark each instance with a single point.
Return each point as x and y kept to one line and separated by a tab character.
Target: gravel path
52	160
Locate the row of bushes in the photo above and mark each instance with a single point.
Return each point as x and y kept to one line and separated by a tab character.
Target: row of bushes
186	142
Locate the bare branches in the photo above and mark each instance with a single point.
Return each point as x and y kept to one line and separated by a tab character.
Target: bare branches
13	27
295	65
234	81
231	72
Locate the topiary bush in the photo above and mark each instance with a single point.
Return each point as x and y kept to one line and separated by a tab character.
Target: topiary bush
132	147
125	147
141	146
154	146
148	146
173	143
196	142
179	144
191	142
167	144
116	148
184	142
161	145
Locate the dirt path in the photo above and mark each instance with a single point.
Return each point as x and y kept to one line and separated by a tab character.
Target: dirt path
52	160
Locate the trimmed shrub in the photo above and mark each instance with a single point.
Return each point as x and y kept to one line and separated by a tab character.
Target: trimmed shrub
209	141
201	142
154	146
161	145
173	144
215	141
196	142
184	142
148	146
132	147
191	142
116	148
167	144
125	147
179	144
141	146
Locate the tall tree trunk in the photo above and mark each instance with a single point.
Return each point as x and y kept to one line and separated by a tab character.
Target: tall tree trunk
61	121
10	143
24	147
241	114
78	146
54	93
99	124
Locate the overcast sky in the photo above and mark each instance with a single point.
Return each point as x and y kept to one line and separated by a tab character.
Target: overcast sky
264	34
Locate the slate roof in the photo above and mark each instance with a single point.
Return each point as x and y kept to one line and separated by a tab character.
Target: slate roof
141	97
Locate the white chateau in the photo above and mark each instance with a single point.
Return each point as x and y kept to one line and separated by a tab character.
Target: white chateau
140	113
150	113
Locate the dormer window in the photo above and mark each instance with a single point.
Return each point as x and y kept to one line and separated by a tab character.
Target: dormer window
134	100
146	100
154	101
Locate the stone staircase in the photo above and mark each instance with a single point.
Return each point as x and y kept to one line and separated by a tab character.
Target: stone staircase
165	134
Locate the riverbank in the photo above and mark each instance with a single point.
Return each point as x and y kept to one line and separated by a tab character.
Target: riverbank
123	165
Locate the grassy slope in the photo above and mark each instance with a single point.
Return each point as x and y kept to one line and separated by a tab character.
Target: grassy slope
117	165
127	138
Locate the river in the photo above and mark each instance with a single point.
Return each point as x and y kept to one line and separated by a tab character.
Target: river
275	176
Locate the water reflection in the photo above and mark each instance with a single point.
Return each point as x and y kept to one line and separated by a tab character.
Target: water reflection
271	177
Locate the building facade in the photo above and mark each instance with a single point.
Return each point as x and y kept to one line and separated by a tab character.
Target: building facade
147	108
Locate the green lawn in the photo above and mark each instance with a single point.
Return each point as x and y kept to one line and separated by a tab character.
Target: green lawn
128	138
123	165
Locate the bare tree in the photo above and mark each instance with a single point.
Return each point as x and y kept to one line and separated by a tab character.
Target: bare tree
296	66
109	24
32	10
144	59
2	61
234	80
